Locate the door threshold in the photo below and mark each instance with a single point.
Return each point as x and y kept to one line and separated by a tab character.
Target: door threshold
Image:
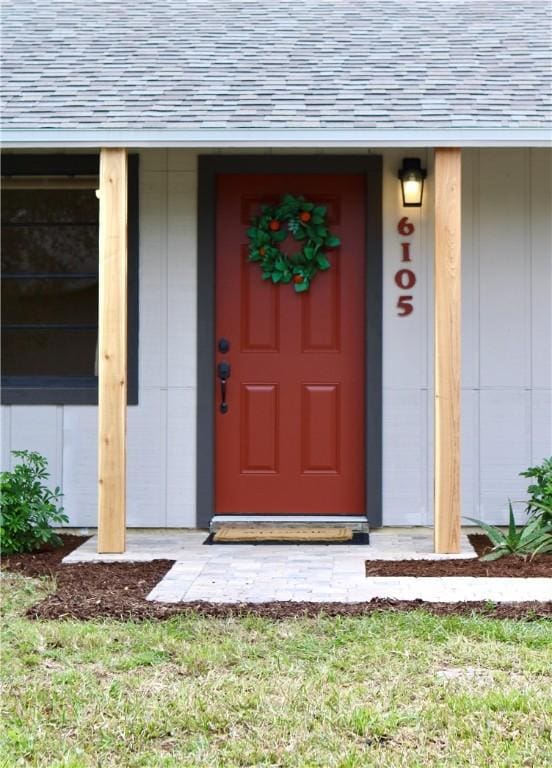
356	522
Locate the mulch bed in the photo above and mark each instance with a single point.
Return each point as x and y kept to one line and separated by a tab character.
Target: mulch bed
506	567
46	562
119	590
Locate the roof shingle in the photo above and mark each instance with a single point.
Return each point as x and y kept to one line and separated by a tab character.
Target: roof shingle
276	63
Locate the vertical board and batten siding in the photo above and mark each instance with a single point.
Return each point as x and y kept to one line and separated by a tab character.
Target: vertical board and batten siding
407	345
506	349
511	378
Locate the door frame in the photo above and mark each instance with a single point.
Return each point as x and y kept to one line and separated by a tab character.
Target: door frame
209	167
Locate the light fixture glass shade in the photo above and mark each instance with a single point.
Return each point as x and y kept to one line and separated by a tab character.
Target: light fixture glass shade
412	177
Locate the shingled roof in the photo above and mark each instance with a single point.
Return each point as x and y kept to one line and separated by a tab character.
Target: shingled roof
276	64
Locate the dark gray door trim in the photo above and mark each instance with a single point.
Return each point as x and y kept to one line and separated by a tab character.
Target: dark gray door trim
209	167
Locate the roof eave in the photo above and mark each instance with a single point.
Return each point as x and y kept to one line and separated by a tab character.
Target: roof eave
68	138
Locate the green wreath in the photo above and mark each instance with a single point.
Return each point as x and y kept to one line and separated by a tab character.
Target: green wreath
305	222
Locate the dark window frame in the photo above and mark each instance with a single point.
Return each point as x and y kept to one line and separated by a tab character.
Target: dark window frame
79	390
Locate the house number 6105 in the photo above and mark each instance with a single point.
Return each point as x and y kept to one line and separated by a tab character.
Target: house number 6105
405	278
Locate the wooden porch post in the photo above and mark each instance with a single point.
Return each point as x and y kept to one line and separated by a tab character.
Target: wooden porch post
112	351
447	349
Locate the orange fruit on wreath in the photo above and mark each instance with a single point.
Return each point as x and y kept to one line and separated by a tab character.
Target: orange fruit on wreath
274	225
262	251
298	278
305	216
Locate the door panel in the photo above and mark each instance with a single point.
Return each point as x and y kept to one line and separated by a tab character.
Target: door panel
260	312
321	312
320	433
292	440
259	430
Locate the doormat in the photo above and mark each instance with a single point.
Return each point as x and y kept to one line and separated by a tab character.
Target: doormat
234	534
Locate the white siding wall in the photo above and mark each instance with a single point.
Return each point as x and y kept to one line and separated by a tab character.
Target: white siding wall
506	337
507	341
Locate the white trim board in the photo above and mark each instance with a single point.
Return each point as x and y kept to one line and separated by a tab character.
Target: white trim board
50	138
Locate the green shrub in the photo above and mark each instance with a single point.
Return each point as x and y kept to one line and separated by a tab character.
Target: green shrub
540	503
535	537
28	507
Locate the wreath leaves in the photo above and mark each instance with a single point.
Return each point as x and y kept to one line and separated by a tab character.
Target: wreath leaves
305	222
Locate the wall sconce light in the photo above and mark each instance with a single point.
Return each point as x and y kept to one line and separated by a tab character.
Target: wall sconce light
412	177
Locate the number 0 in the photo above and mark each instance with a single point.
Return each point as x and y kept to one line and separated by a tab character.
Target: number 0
404	305
405	279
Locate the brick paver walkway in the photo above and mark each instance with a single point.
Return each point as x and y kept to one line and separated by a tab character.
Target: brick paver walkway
247	573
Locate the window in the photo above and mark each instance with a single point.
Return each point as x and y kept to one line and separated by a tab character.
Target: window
50	279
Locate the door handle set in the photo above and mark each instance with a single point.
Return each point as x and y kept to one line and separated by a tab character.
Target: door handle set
224	371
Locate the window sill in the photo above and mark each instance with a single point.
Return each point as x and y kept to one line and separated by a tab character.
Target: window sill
46	390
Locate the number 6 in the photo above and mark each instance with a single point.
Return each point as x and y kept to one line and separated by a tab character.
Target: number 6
405	227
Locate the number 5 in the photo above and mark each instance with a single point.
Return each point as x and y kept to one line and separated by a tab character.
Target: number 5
404	305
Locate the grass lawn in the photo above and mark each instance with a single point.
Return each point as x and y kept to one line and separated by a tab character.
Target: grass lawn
389	689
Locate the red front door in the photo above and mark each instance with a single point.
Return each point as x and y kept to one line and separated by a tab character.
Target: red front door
292	439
